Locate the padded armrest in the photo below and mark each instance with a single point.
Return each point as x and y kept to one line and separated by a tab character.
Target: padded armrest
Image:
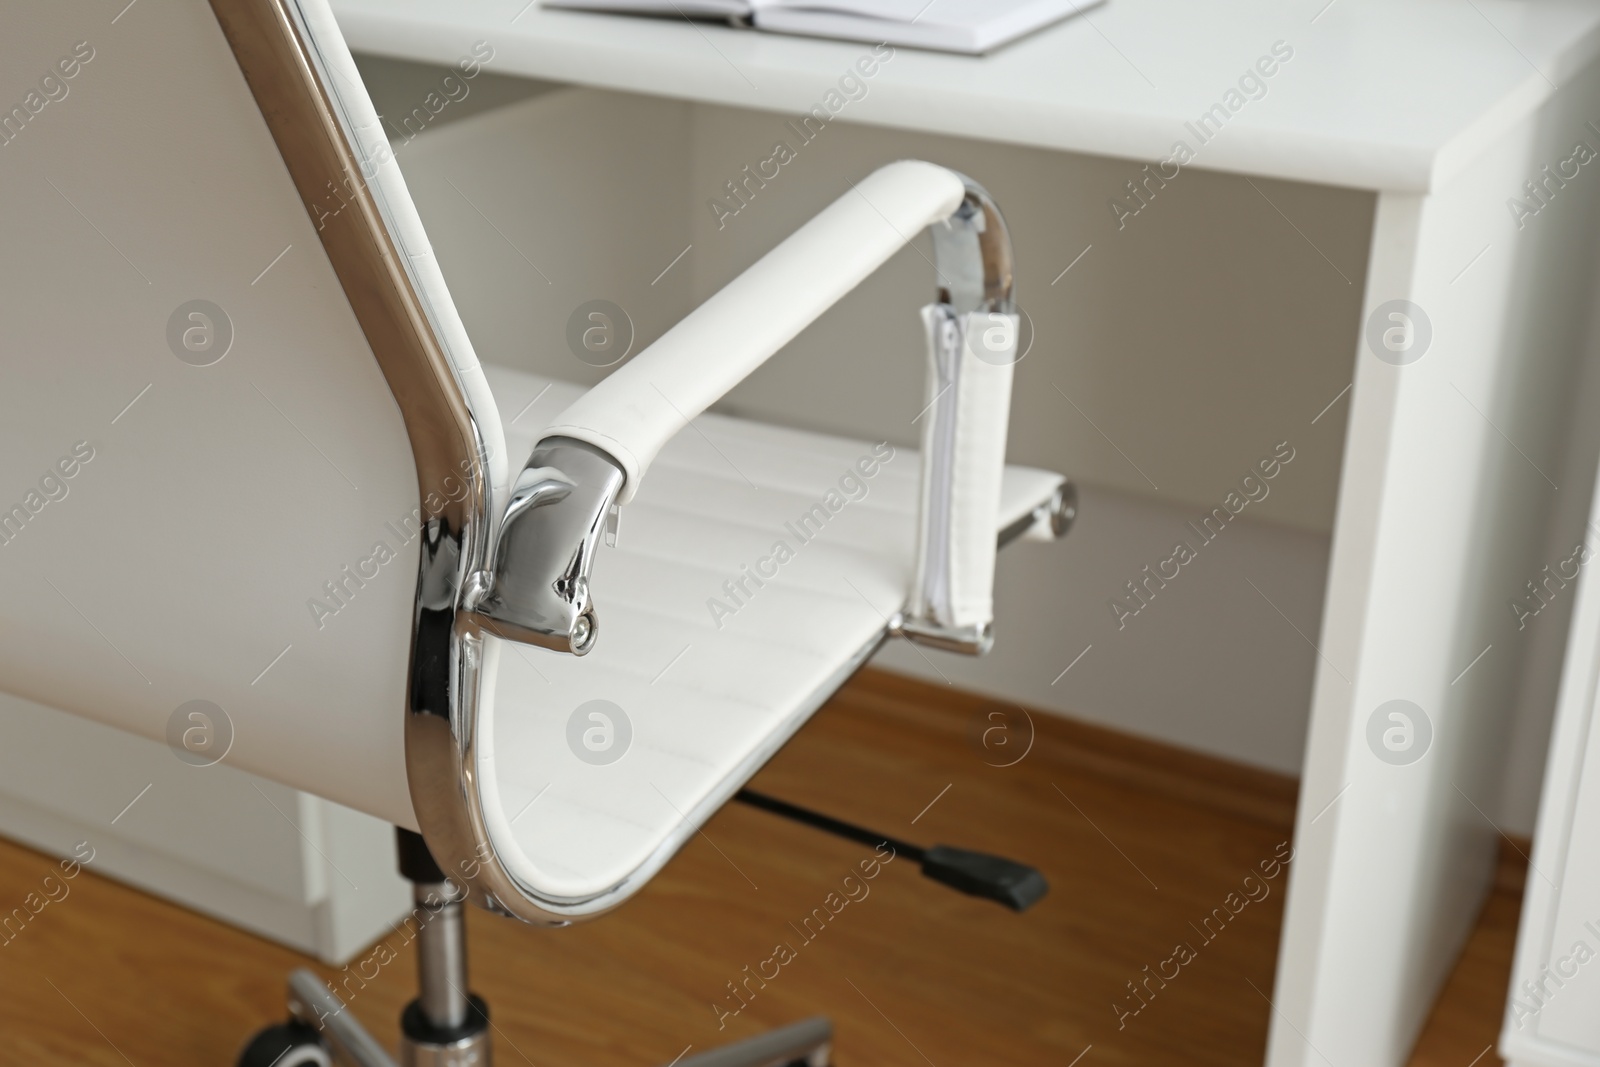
638	409
594	456
964	426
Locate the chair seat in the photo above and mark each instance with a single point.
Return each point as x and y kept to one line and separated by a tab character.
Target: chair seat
756	568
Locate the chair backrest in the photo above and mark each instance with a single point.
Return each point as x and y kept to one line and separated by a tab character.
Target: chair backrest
207	491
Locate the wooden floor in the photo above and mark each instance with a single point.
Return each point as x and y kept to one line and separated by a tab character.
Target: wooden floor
1141	845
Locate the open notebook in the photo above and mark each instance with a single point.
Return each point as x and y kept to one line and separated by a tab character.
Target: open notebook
972	26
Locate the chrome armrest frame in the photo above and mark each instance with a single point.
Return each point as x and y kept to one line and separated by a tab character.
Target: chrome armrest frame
1049	521
534	587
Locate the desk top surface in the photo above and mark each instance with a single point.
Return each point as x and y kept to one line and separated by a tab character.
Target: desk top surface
1378	94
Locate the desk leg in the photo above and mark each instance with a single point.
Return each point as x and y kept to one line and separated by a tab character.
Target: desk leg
1450	476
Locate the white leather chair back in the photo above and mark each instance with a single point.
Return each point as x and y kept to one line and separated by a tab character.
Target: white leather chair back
207	488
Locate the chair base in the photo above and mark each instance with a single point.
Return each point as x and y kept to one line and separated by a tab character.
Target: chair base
321	1033
447	1026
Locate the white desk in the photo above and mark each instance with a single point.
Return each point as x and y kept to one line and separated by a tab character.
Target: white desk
1383	96
1445	110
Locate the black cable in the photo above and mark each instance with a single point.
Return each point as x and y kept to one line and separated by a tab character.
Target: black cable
837	827
977	874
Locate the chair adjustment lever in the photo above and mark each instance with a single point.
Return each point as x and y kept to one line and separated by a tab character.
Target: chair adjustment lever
977	874
535	588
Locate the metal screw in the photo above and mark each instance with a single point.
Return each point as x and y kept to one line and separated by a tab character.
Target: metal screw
582	634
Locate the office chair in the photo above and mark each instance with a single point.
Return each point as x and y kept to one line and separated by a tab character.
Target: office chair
547	676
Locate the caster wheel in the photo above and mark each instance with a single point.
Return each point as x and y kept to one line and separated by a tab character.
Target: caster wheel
286	1045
